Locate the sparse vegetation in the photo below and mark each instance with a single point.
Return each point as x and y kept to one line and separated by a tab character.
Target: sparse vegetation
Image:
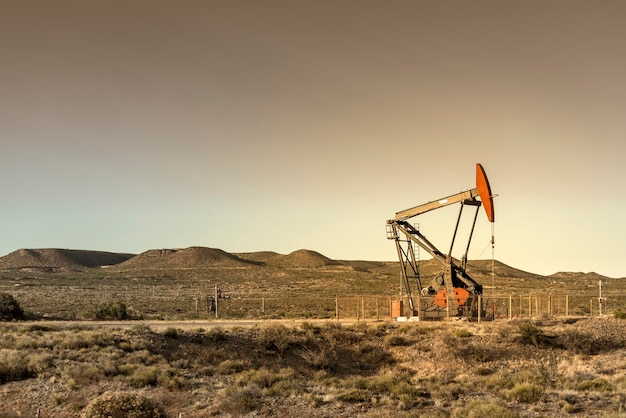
547	365
123	405
112	310
10	309
313	370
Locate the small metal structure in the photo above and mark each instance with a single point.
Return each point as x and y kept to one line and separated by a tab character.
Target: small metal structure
453	292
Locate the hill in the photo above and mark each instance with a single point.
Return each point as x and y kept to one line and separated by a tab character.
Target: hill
192	257
55	258
302	259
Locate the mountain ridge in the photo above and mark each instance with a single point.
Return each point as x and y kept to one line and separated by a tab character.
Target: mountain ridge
53	259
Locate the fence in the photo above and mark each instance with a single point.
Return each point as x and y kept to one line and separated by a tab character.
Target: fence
534	305
194	302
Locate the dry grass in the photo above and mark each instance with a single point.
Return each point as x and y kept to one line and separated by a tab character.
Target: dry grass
519	368
425	369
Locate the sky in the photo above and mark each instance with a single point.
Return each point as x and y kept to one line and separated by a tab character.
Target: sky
253	125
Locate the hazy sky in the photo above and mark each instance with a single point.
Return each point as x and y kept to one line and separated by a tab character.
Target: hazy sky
280	125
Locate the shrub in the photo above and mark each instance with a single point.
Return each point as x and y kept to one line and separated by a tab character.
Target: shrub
264	378
9	308
597	384
355	396
145	376
114	310
463	333
526	392
323	357
170	333
480	409
619	314
123	405
232	366
276	338
14	366
531	334
239	401
396	340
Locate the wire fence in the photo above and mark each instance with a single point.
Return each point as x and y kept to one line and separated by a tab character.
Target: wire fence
198	302
533	305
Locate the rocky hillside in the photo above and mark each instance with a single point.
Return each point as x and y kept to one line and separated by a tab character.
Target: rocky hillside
54	258
192	257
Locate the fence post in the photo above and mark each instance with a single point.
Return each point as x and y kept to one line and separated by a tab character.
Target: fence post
336	308
550	304
480	307
510	307
263	305
566	306
363	307
216	303
377	312
530	307
590	308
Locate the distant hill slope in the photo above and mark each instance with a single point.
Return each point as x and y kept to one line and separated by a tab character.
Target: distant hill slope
60	258
199	257
259	256
185	258
577	275
302	259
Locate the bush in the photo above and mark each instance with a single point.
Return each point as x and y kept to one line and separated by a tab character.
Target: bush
355	396
170	333
463	333
123	405
479	409
531	334
619	314
396	340
114	310
14	366
239	401
9	308
526	393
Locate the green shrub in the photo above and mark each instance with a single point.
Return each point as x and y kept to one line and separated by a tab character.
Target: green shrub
112	311
145	376
396	340
463	333
240	401
14	366
597	385
264	378
9	308
480	409
171	333
619	314
123	405
531	334
355	395
232	366
526	392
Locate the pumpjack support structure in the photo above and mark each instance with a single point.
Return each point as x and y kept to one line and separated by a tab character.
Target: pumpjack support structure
453	292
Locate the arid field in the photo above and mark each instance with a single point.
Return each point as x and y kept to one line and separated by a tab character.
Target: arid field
315	339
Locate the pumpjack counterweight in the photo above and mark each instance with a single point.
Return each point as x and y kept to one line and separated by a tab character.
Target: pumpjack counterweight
453	292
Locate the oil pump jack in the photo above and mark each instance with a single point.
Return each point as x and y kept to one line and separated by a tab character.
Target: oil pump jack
434	302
